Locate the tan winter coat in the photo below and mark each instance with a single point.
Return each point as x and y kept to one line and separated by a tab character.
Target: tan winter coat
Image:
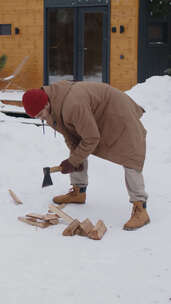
98	119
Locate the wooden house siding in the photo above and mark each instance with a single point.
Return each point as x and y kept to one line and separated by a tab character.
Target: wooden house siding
124	46
27	16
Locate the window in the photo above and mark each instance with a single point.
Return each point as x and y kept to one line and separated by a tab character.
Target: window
5	29
158	33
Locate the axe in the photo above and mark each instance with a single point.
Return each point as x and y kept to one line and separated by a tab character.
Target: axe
47	181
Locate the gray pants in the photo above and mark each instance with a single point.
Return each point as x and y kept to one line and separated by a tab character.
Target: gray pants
133	179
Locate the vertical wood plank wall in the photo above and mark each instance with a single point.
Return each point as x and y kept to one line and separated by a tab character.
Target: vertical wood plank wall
28	16
123	72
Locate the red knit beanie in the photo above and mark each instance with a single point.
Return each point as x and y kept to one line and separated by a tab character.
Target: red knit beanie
34	101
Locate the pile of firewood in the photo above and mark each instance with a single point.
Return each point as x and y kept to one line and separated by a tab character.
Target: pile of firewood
40	220
85	228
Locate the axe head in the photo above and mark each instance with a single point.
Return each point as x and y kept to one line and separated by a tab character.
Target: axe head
47	181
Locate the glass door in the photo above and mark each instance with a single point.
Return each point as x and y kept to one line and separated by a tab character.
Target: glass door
60	51
93	44
76	44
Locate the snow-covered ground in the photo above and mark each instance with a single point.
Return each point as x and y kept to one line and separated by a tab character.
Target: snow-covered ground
42	266
11	95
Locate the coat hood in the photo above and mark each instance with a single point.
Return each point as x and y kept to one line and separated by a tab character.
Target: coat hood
57	93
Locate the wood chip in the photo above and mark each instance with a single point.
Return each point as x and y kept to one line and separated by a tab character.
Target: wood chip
60	206
15	198
35	216
34	223
54	222
51	216
61	214
44	217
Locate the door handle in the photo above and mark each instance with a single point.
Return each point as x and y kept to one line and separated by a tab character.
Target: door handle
85	49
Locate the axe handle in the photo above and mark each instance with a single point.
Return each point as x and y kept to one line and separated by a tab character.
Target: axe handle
55	169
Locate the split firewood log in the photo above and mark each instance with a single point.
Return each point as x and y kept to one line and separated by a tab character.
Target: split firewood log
98	231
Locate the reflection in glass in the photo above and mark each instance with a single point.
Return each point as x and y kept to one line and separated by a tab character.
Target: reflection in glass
158	33
60	44
93	42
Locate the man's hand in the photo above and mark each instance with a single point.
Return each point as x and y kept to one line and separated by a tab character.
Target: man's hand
67	167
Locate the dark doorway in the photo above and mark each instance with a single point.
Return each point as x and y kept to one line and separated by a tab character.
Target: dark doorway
154	40
77	44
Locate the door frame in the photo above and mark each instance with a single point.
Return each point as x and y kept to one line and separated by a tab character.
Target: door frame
90	5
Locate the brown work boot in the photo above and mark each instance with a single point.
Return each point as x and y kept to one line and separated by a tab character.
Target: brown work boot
139	217
76	195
